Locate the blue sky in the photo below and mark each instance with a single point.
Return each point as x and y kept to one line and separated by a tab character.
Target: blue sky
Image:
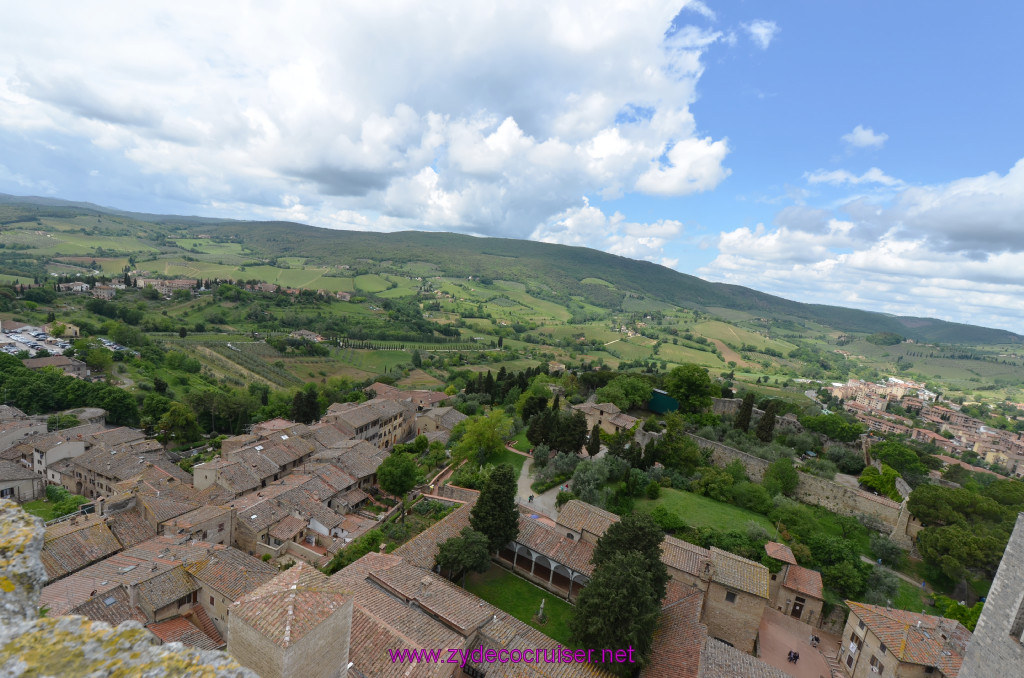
853	153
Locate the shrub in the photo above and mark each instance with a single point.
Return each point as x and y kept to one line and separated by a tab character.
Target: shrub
653	490
563	497
265	557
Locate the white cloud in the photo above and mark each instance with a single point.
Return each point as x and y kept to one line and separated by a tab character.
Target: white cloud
693	165
700	8
762	32
487	120
839	177
588	226
865	137
951	251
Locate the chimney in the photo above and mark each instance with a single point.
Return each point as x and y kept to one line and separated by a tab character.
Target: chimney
383	547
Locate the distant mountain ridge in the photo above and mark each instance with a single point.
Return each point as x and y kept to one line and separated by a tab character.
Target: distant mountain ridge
558	269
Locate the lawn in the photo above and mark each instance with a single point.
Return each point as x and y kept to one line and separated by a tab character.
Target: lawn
521	599
700	511
912	598
521	443
514	460
41	508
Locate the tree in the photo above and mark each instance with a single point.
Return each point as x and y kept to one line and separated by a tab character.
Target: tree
781	477
179	423
594	443
495	513
484	437
182	331
306	405
636	532
742	422
691	386
159	385
466	553
588	479
883	482
417	360
397	475
766	426
625	392
619	609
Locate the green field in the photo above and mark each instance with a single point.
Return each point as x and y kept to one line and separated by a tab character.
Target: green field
514	460
521	599
700	511
41	508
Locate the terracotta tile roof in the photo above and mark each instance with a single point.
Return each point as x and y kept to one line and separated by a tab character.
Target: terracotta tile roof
196	516
130	527
739	573
117	436
68	548
166	587
357	415
163	509
181	630
230	571
382	622
553	544
11	470
780	552
679	639
802	580
936	642
422	549
456	607
506	632
718	660
113	606
292	604
287	527
581	517
331	475
684	556
353	497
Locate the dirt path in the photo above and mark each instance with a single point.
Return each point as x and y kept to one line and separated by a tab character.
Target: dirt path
730	354
905	577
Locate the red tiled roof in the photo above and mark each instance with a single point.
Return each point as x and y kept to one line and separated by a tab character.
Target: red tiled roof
291	605
936	642
287	527
678	639
553	544
780	552
181	630
805	581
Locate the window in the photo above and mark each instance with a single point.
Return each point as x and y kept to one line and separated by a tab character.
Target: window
877	666
730	597
211	601
7	492
220	527
929	669
882	648
849	661
860	624
774	577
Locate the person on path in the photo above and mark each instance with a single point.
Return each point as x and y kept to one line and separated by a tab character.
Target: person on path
796	657
789	657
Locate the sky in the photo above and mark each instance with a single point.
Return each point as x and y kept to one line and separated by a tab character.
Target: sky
864	154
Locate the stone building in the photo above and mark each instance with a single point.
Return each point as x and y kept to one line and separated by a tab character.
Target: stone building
880	641
795	591
70	366
297	624
998	641
18	483
606	415
736	590
379	422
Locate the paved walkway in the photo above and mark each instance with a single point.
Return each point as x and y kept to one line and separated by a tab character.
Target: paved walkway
543	504
778	634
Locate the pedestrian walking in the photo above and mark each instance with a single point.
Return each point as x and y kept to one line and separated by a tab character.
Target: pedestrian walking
789	656
796	657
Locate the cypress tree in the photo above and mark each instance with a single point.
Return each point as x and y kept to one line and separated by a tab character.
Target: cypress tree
742	422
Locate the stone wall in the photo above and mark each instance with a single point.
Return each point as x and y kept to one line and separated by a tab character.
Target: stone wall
821	492
996	648
74	646
736	622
